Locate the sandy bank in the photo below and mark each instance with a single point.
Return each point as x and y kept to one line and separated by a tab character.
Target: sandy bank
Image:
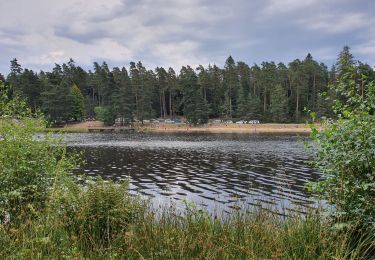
231	128
210	128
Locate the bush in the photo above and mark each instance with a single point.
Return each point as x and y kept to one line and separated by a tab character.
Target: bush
102	211
28	163
105	114
346	157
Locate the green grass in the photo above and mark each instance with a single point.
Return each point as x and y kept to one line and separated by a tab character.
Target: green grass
104	222
65	130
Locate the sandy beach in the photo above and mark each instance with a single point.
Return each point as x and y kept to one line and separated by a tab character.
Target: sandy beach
231	128
210	128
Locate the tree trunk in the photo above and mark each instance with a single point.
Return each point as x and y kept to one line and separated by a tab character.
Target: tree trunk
164	105
254	88
265	101
137	105
297	106
230	102
161	105
314	93
170	104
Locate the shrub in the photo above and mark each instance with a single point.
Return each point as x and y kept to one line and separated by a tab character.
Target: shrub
105	114
28	163
98	212
346	157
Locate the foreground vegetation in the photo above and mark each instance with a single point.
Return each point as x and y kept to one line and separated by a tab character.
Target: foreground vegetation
103	222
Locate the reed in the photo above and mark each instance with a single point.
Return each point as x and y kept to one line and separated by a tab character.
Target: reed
103	221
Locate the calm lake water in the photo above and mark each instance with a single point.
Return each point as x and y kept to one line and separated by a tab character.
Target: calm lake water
217	171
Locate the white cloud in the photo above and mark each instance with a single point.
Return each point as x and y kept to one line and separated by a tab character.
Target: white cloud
46	59
367	48
283	6
324	54
183	53
336	23
114	30
173	32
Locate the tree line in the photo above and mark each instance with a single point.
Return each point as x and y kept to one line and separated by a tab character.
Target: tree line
268	92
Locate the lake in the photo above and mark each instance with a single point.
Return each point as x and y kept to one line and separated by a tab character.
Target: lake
219	172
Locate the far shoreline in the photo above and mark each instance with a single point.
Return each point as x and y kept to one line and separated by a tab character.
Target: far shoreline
271	128
233	128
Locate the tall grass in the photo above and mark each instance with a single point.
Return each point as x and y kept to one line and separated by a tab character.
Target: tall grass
103	221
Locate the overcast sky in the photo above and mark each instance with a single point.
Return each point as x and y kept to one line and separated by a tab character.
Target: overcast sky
173	33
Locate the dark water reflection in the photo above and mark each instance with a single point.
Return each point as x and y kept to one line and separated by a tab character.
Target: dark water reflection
218	171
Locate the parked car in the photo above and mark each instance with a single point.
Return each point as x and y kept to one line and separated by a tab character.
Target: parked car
253	122
168	121
229	122
240	122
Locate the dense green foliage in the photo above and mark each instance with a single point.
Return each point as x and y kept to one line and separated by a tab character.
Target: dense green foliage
346	157
346	149
104	114
28	165
195	108
78	108
268	92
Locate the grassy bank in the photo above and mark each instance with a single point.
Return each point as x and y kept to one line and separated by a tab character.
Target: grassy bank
65	130
104	222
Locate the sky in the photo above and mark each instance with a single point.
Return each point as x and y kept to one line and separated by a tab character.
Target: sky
173	33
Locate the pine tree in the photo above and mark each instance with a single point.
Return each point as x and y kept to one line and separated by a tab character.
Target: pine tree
299	82
123	97
162	87
278	104
231	85
172	85
254	110
194	106
147	94
244	90
218	92
78	103
345	62
268	79
58	102
14	77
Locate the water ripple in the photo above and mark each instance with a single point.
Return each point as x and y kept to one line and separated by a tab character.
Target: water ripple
214	170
